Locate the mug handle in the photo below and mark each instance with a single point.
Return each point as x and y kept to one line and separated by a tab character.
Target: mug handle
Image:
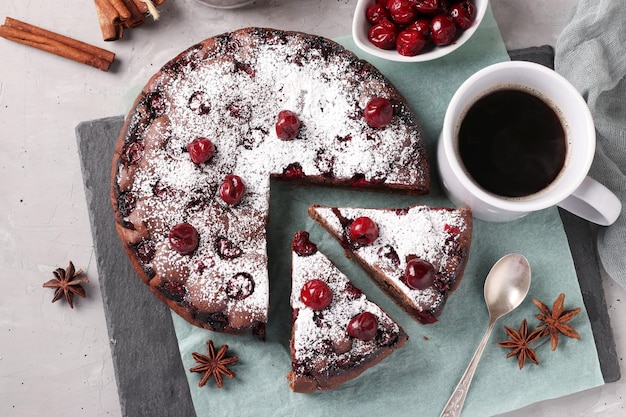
593	202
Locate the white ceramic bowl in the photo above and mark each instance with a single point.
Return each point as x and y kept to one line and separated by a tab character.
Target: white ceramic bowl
360	28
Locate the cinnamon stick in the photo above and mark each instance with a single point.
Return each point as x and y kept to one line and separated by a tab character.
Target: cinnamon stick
109	19
115	15
121	9
136	17
143	7
60	45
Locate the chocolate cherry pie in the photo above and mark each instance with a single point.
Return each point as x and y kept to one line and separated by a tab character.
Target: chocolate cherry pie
192	167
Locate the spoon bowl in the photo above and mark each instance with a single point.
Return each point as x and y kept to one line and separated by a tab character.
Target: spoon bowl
506	286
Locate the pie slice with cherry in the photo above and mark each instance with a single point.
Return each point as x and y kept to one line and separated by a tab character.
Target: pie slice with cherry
337	333
417	255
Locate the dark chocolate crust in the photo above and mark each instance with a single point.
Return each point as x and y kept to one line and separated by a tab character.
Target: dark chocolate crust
311	383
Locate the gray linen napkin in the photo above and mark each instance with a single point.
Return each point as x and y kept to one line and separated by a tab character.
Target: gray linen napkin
590	53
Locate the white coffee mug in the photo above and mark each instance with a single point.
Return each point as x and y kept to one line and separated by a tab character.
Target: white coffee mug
572	189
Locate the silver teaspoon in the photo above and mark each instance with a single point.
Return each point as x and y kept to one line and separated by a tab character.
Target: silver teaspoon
506	287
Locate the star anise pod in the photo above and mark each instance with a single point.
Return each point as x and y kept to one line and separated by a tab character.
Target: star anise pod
67	282
215	364
553	323
519	341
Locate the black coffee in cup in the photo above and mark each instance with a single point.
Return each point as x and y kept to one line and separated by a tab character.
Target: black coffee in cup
512	142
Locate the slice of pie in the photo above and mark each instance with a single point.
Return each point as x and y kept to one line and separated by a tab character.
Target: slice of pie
337	332
417	255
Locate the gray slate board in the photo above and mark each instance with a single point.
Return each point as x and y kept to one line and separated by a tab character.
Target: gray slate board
150	376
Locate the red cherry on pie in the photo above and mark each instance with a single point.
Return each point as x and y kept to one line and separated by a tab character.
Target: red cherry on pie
201	150
363	327
363	231
302	245
316	294
378	112
419	274
184	238
287	125
232	189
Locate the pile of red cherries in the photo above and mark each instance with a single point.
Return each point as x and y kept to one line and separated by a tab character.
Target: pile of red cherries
411	26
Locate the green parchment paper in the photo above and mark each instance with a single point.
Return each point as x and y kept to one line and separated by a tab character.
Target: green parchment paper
417	379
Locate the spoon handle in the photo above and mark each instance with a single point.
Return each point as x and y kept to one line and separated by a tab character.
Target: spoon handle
457	399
